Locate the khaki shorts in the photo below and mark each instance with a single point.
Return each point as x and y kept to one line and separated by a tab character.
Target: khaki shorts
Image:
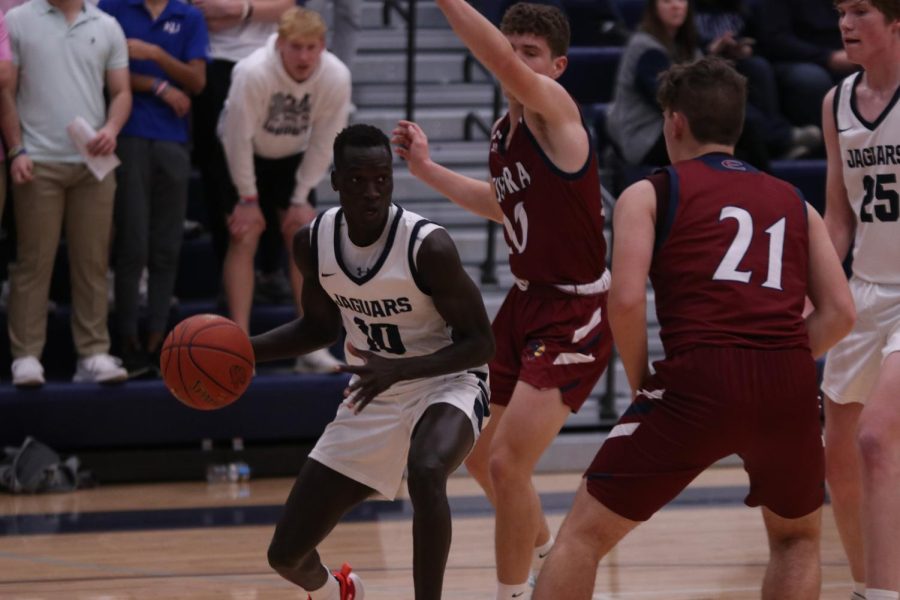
852	366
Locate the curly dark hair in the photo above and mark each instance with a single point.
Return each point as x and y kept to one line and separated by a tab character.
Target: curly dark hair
543	20
359	135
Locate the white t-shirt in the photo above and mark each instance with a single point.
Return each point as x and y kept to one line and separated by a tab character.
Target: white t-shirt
236	43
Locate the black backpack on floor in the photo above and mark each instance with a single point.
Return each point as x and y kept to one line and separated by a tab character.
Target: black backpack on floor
35	468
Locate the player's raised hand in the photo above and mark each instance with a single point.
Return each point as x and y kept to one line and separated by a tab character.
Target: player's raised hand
411	144
375	376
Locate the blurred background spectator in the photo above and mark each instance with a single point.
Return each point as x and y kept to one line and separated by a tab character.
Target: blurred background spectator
287	102
53	187
803	41
727	28
236	29
167	42
667	35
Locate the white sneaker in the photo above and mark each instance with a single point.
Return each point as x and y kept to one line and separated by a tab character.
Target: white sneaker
319	361
100	368
27	372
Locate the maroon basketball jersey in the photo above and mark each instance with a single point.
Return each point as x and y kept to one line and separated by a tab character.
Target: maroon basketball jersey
553	221
730	266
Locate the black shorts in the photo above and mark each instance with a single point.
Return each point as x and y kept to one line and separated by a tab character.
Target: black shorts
276	179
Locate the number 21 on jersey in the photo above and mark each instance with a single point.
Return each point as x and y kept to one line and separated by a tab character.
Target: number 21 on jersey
728	268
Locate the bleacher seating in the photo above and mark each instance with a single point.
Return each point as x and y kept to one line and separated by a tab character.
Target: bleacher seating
136	414
277	406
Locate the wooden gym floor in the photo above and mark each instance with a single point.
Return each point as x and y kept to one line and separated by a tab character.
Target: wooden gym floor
193	541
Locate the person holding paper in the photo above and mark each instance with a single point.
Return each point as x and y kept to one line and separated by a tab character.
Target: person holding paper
64	51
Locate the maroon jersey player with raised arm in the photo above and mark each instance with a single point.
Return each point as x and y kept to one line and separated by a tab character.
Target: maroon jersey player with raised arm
553	342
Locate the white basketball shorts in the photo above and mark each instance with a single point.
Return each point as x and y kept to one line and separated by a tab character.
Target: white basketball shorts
372	447
852	366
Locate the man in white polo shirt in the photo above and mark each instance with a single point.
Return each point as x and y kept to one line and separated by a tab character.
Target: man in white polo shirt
64	51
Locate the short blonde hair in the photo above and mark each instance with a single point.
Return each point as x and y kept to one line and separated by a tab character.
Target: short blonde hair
299	22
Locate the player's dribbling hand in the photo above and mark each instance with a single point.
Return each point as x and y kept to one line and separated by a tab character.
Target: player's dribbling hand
411	144
375	376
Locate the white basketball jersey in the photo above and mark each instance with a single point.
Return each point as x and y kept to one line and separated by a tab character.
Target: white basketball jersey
388	310
870	152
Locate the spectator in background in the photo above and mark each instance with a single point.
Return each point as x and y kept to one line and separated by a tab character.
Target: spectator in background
667	36
287	102
236	29
727	29
65	51
167	41
803	41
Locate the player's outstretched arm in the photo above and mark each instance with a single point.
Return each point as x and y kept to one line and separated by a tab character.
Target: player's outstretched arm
321	322
839	218
458	301
411	144
634	219
538	93
827	289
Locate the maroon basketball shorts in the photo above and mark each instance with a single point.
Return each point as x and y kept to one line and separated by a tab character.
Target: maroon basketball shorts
550	339
705	404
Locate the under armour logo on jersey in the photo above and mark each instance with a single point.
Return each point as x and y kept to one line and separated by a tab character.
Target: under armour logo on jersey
172	27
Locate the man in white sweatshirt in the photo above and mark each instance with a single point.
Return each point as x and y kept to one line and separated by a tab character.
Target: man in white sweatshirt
287	102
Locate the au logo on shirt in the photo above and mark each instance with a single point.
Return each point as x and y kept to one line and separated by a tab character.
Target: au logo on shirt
171	27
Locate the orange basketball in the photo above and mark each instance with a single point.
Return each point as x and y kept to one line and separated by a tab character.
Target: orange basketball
207	361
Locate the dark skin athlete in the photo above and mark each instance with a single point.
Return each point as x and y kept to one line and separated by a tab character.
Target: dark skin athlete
443	436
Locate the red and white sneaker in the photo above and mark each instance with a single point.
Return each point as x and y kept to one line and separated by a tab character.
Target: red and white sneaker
351	584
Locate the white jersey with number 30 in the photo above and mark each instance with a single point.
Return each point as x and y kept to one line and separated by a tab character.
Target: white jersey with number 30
388	310
870	152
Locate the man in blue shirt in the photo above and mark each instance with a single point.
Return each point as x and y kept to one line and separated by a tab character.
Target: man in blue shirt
167	49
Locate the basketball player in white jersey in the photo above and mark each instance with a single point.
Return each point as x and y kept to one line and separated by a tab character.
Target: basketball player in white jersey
418	338
861	122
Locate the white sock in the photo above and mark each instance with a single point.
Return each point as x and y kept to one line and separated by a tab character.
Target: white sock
330	591
876	594
859	591
512	592
540	555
